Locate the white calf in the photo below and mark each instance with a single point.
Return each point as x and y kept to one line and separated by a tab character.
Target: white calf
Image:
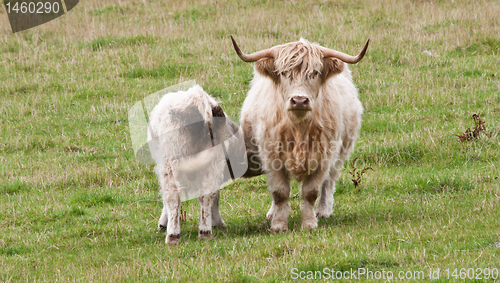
184	128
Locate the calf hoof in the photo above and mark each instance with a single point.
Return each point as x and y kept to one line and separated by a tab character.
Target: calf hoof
204	234
162	228
173	239
219	225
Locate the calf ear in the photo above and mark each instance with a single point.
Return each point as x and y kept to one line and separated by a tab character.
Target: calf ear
218	119
217	111
266	67
331	67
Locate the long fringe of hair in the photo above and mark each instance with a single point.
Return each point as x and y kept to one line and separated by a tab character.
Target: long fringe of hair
303	54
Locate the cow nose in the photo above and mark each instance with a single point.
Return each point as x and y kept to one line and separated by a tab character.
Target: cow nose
300	103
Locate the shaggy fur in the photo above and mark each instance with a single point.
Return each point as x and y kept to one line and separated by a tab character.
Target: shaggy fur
183	131
310	146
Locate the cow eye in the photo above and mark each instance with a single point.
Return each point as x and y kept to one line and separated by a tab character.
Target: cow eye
313	74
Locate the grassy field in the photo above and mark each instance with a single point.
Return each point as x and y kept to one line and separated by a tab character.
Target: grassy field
76	206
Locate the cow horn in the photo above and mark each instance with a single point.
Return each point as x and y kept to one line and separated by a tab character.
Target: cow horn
344	57
251	57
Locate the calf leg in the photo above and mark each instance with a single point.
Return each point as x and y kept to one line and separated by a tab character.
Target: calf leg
205	224
171	205
172	201
217	220
279	185
216	217
209	199
162	223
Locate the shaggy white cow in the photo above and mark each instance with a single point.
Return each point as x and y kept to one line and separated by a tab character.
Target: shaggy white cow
184	131
301	118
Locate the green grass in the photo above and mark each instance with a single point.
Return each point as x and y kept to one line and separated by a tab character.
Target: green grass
75	204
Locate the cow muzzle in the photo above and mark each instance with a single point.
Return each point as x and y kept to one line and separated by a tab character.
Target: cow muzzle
300	103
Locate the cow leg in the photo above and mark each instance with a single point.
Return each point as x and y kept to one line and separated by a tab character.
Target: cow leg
217	220
279	185
325	203
270	213
205	224
310	192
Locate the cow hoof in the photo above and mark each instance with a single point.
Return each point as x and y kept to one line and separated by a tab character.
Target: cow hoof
277	228
309	225
269	216
205	234
270	212
162	228
173	239
321	215
323	212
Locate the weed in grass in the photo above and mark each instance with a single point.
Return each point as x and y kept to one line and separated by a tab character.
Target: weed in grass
479	128
356	174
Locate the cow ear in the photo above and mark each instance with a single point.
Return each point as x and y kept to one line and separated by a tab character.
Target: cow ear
331	67
266	68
